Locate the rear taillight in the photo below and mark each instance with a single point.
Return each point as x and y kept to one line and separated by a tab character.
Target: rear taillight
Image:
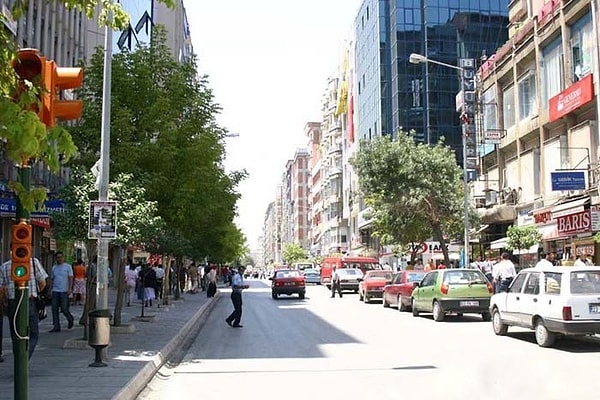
567	313
444	288
490	288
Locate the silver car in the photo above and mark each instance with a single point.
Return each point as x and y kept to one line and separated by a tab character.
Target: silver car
312	275
349	278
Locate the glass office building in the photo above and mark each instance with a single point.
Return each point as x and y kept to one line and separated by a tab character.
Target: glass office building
420	97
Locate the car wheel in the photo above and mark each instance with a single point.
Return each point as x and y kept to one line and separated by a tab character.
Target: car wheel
401	306
543	336
415	311
274	296
486	316
384	302
500	328
438	314
301	295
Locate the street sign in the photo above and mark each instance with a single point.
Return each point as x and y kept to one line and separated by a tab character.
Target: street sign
103	220
568	180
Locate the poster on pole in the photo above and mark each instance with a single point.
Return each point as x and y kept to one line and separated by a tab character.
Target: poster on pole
103	220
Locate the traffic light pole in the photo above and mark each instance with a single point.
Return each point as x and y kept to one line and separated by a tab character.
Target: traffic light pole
21	336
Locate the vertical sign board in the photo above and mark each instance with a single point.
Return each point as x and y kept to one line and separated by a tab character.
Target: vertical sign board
103	220
469	107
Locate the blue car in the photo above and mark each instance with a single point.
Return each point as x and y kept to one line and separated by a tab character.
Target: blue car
312	275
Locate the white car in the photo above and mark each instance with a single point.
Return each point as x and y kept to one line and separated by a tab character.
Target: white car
553	301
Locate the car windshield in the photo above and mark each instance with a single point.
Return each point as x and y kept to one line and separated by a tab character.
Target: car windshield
458	277
585	282
414	276
288	274
350	271
380	275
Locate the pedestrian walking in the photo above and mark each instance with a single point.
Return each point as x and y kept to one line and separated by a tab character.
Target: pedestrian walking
130	281
62	287
148	278
37	279
212	282
335	283
79	282
237	285
546	260
582	261
160	278
504	272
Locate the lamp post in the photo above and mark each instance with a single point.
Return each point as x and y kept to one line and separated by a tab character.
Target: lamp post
467	79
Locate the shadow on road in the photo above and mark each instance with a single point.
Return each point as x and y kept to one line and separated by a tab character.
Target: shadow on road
568	344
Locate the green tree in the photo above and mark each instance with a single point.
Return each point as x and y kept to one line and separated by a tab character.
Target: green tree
26	138
137	219
293	253
163	130
522	237
415	190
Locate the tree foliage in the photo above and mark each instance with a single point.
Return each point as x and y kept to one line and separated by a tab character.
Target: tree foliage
414	191
522	237
164	133
293	253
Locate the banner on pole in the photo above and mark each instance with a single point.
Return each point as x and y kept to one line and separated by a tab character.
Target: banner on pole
103	220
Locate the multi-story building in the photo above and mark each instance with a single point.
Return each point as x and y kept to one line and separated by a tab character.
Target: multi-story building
294	204
334	226
315	186
538	90
392	95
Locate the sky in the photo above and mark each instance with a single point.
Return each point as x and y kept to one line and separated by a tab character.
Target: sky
267	63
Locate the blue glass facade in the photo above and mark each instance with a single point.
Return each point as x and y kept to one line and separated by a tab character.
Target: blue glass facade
420	97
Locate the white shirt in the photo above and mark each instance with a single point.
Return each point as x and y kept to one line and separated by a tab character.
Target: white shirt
543	263
580	263
160	273
504	269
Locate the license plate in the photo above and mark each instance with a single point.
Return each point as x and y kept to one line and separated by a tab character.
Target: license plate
469	304
594	308
289	284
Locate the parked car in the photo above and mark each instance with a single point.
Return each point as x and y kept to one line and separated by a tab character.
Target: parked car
288	281
349	278
553	301
363	263
312	275
398	293
372	283
457	291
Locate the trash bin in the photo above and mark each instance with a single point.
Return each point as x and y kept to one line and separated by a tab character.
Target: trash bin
99	328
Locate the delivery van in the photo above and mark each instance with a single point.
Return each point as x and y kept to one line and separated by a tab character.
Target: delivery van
363	263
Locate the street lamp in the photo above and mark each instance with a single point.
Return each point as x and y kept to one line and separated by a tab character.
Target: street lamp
415	58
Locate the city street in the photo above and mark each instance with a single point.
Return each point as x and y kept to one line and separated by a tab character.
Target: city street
321	348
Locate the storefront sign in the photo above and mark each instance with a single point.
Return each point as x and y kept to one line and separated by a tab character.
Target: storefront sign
425	247
542	217
571	98
568	180
571	224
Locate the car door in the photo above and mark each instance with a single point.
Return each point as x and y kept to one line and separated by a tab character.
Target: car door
529	299
510	309
427	291
390	292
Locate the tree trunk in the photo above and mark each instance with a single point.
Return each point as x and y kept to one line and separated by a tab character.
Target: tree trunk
90	285
120	285
439	236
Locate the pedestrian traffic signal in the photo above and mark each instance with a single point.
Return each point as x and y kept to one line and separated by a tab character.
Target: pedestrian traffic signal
21	253
58	79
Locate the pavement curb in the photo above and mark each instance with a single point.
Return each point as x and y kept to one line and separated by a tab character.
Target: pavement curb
137	384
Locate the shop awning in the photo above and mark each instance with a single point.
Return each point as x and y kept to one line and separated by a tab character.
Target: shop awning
570	207
533	249
499	244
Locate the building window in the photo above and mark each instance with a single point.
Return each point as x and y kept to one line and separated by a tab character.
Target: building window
552	71
489	105
508	107
582	47
527	96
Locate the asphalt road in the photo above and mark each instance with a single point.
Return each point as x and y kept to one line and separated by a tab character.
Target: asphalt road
323	348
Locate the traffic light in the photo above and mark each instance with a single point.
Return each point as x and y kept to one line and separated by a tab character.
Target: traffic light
30	66
21	253
56	80
52	81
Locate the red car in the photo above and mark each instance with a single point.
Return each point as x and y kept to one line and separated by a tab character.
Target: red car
288	281
399	291
371	285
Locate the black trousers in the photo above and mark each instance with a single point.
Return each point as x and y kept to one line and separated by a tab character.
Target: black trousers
212	289
336	286
236	316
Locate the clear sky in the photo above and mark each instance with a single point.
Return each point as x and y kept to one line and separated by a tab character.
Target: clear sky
268	62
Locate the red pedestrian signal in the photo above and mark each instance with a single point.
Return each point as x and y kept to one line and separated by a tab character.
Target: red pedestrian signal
31	67
21	253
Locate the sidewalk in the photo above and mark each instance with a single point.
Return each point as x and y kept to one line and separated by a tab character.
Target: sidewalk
56	372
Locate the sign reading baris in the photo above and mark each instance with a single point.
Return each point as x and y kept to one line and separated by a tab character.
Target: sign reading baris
580	222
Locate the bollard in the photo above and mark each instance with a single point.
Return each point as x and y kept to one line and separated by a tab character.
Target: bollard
99	334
